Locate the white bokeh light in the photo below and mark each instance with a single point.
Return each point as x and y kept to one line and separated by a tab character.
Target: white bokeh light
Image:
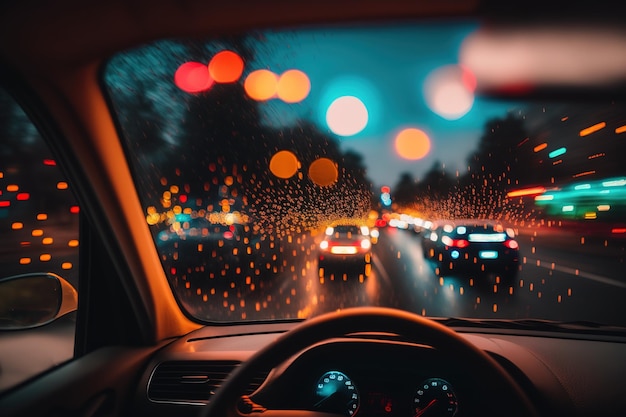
446	93
347	116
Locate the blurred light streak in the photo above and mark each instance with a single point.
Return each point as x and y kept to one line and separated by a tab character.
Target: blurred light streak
614	183
540	147
621	129
544	197
592	129
526	192
557	152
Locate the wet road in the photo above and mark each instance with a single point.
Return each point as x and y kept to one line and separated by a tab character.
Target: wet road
562	277
558	280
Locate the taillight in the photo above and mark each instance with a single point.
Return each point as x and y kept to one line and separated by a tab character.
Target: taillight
511	244
454	243
366	244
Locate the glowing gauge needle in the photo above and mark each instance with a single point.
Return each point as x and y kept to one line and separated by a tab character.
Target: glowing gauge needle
423	410
317	404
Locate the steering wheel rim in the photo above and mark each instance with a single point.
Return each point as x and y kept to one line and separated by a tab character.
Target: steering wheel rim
510	398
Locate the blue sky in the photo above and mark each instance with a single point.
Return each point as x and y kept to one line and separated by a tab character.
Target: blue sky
385	67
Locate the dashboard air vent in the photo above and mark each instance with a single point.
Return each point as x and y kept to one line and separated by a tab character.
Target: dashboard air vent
192	381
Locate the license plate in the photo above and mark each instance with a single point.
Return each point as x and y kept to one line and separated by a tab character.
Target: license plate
488	254
343	250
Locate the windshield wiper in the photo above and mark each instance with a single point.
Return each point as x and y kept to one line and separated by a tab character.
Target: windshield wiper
578	326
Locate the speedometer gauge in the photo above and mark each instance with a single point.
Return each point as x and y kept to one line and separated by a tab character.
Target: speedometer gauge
435	397
336	393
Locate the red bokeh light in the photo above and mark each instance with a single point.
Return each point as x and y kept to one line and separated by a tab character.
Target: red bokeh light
193	77
226	67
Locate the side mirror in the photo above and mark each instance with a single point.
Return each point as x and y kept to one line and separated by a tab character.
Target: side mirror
33	300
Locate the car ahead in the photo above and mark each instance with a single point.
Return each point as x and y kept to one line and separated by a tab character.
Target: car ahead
345	246
124	119
471	244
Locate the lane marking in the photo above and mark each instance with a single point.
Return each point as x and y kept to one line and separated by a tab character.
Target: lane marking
577	272
380	269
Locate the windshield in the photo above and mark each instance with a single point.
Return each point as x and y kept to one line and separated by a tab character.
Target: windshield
248	152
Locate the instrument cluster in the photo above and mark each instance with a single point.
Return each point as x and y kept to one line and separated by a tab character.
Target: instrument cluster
370	378
336	392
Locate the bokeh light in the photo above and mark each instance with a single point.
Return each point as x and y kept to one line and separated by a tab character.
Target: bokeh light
347	116
412	144
226	67
284	164
261	85
293	86
323	172
193	77
448	91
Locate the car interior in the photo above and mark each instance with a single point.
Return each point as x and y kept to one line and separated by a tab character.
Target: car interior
160	222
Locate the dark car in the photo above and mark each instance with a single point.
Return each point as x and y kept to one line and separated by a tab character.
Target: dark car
345	247
479	245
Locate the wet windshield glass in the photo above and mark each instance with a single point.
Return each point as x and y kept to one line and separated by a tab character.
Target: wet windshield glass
248	150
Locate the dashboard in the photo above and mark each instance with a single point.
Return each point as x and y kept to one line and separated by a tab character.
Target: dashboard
372	378
383	375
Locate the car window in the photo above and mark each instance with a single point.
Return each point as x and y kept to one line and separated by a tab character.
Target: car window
284	132
38	236
344	230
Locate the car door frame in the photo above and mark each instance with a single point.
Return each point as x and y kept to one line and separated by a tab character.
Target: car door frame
115	333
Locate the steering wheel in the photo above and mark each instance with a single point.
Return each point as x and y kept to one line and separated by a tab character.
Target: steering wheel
506	397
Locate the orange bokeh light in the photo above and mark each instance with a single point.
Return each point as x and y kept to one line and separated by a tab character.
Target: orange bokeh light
293	86
261	85
323	172
412	144
284	164
226	67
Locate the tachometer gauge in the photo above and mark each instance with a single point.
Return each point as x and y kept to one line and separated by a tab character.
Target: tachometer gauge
435	397
336	393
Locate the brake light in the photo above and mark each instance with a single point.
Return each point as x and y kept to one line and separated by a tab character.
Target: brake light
454	243
511	244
